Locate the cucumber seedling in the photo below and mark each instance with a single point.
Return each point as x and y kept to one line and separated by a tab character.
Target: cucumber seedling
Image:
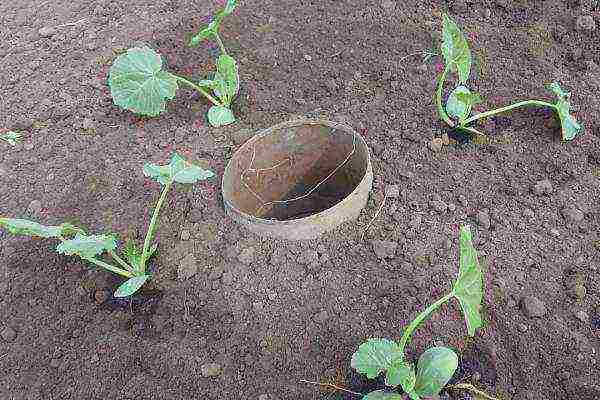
457	110
139	83
133	262
437	365
11	137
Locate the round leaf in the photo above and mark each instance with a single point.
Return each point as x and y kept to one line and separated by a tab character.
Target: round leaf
25	227
220	116
375	356
455	107
468	288
139	84
434	369
87	246
131	285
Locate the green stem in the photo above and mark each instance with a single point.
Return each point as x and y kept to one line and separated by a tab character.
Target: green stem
109	267
151	228
121	261
220	43
524	103
198	88
420	318
438	93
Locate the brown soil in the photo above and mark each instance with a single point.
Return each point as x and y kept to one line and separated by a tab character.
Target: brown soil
281	312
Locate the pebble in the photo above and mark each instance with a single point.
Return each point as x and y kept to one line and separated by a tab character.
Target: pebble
246	256
8	334
585	23
436	144
392	191
543	187
572	214
100	296
582	316
307	57
483	219
211	370
187	267
533	307
384	248
46	31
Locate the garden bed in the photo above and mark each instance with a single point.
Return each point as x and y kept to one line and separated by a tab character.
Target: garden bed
232	315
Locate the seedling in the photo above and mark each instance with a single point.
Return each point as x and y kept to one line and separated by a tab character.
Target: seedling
457	111
133	261
437	365
139	83
11	137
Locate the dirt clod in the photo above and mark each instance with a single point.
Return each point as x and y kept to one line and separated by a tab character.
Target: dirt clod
384	248
187	267
211	370
533	307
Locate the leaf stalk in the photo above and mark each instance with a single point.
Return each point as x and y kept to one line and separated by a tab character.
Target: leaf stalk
500	110
198	88
151	227
420	318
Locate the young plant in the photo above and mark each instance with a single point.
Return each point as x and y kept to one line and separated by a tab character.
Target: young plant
437	365
139	83
11	137
457	111
133	262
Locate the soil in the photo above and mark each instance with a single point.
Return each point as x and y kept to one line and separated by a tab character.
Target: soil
270	313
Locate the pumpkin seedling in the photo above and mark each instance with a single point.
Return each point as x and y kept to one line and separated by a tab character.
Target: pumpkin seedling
133	261
437	365
139	83
457	110
11	137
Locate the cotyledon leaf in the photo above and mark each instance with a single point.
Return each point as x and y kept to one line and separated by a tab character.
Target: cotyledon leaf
455	49
434	369
228	72
375	356
24	227
178	170
456	106
401	373
138	82
87	246
468	288
220	116
569	125
131	285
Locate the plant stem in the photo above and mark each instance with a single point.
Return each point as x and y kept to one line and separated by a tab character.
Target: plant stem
121	261
109	267
524	103
420	318
152	225
198	88
220	43
438	94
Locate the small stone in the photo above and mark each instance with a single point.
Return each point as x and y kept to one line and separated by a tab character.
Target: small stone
522	327
187	267
585	23
8	334
35	207
483	219
533	307
100	296
392	191
216	273
572	214
211	370
582	316
436	144
321	317
543	187
246	256
185	234
307	57
384	248
46	31
439	206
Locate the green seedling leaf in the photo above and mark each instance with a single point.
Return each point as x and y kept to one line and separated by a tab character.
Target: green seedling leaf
468	288
227	71
131	285
569	125
220	116
401	373
382	395
25	227
139	84
87	246
455	106
376	356
434	369
134	255
11	137
229	7
211	29
179	170
455	49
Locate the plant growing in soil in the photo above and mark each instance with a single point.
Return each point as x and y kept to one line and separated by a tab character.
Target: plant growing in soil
139	83
11	137
457	111
437	365
133	262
